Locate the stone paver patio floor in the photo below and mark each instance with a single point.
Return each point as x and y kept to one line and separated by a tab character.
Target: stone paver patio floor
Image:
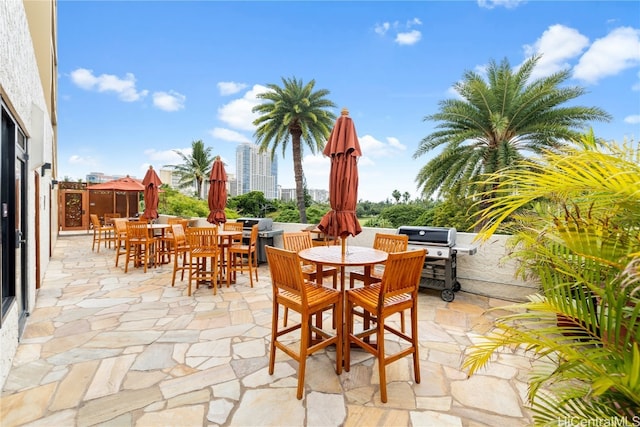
107	348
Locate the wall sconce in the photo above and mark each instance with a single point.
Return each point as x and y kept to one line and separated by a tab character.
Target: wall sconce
54	182
44	167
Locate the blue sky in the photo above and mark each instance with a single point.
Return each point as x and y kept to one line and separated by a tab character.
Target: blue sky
138	80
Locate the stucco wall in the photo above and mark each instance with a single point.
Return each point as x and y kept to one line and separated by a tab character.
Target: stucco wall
21	90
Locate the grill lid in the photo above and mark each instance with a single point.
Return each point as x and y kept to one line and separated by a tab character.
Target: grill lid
442	236
264	224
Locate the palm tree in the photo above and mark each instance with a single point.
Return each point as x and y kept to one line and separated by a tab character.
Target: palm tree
195	167
496	123
294	109
580	240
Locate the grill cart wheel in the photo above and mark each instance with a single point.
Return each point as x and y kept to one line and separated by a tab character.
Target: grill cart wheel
447	295
456	286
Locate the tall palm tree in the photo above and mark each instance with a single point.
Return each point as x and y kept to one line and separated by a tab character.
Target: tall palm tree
195	167
294	109
496	123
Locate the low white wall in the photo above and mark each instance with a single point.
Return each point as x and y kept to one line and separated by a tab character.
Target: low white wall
484	273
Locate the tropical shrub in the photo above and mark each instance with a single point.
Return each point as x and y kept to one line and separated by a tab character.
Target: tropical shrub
575	218
402	214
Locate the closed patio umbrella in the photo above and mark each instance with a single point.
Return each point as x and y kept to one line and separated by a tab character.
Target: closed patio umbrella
217	192
152	185
344	149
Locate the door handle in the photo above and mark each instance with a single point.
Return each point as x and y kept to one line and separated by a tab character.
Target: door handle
19	239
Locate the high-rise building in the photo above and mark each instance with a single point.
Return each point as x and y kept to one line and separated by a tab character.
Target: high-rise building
317	195
256	171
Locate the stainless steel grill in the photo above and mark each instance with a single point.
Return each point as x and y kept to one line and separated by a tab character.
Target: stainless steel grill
266	233
439	271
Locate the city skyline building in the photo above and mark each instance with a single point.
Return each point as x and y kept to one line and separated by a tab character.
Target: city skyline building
255	171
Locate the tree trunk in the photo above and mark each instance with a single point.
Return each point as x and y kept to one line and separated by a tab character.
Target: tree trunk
298	174
199	187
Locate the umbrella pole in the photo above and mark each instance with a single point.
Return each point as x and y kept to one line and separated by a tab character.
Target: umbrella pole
344	245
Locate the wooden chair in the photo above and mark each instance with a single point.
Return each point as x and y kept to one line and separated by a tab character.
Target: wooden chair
120	227
181	252
292	291
141	245
234	226
101	233
384	242
297	241
165	249
230	226
396	292
110	216
238	252
389	243
203	247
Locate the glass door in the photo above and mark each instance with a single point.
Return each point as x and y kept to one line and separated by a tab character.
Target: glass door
20	237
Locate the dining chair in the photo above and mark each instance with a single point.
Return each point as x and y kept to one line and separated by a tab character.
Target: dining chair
141	245
203	250
237	254
236	240
181	252
101	233
110	216
120	227
389	243
234	226
384	242
165	243
396	292
292	291
297	241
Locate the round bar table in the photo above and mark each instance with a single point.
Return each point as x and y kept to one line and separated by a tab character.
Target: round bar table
353	256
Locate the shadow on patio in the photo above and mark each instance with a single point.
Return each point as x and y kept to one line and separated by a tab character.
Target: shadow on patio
107	348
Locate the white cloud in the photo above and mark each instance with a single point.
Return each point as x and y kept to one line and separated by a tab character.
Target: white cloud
169	101
382	28
408	38
508	4
229	88
636	85
556	45
165	157
125	87
229	135
237	114
633	120
403	33
82	160
372	147
395	143
618	50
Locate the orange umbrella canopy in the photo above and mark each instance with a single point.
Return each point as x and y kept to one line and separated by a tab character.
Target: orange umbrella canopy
121	184
217	192
152	183
344	149
126	184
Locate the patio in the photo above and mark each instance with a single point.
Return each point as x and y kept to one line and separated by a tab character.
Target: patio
108	348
